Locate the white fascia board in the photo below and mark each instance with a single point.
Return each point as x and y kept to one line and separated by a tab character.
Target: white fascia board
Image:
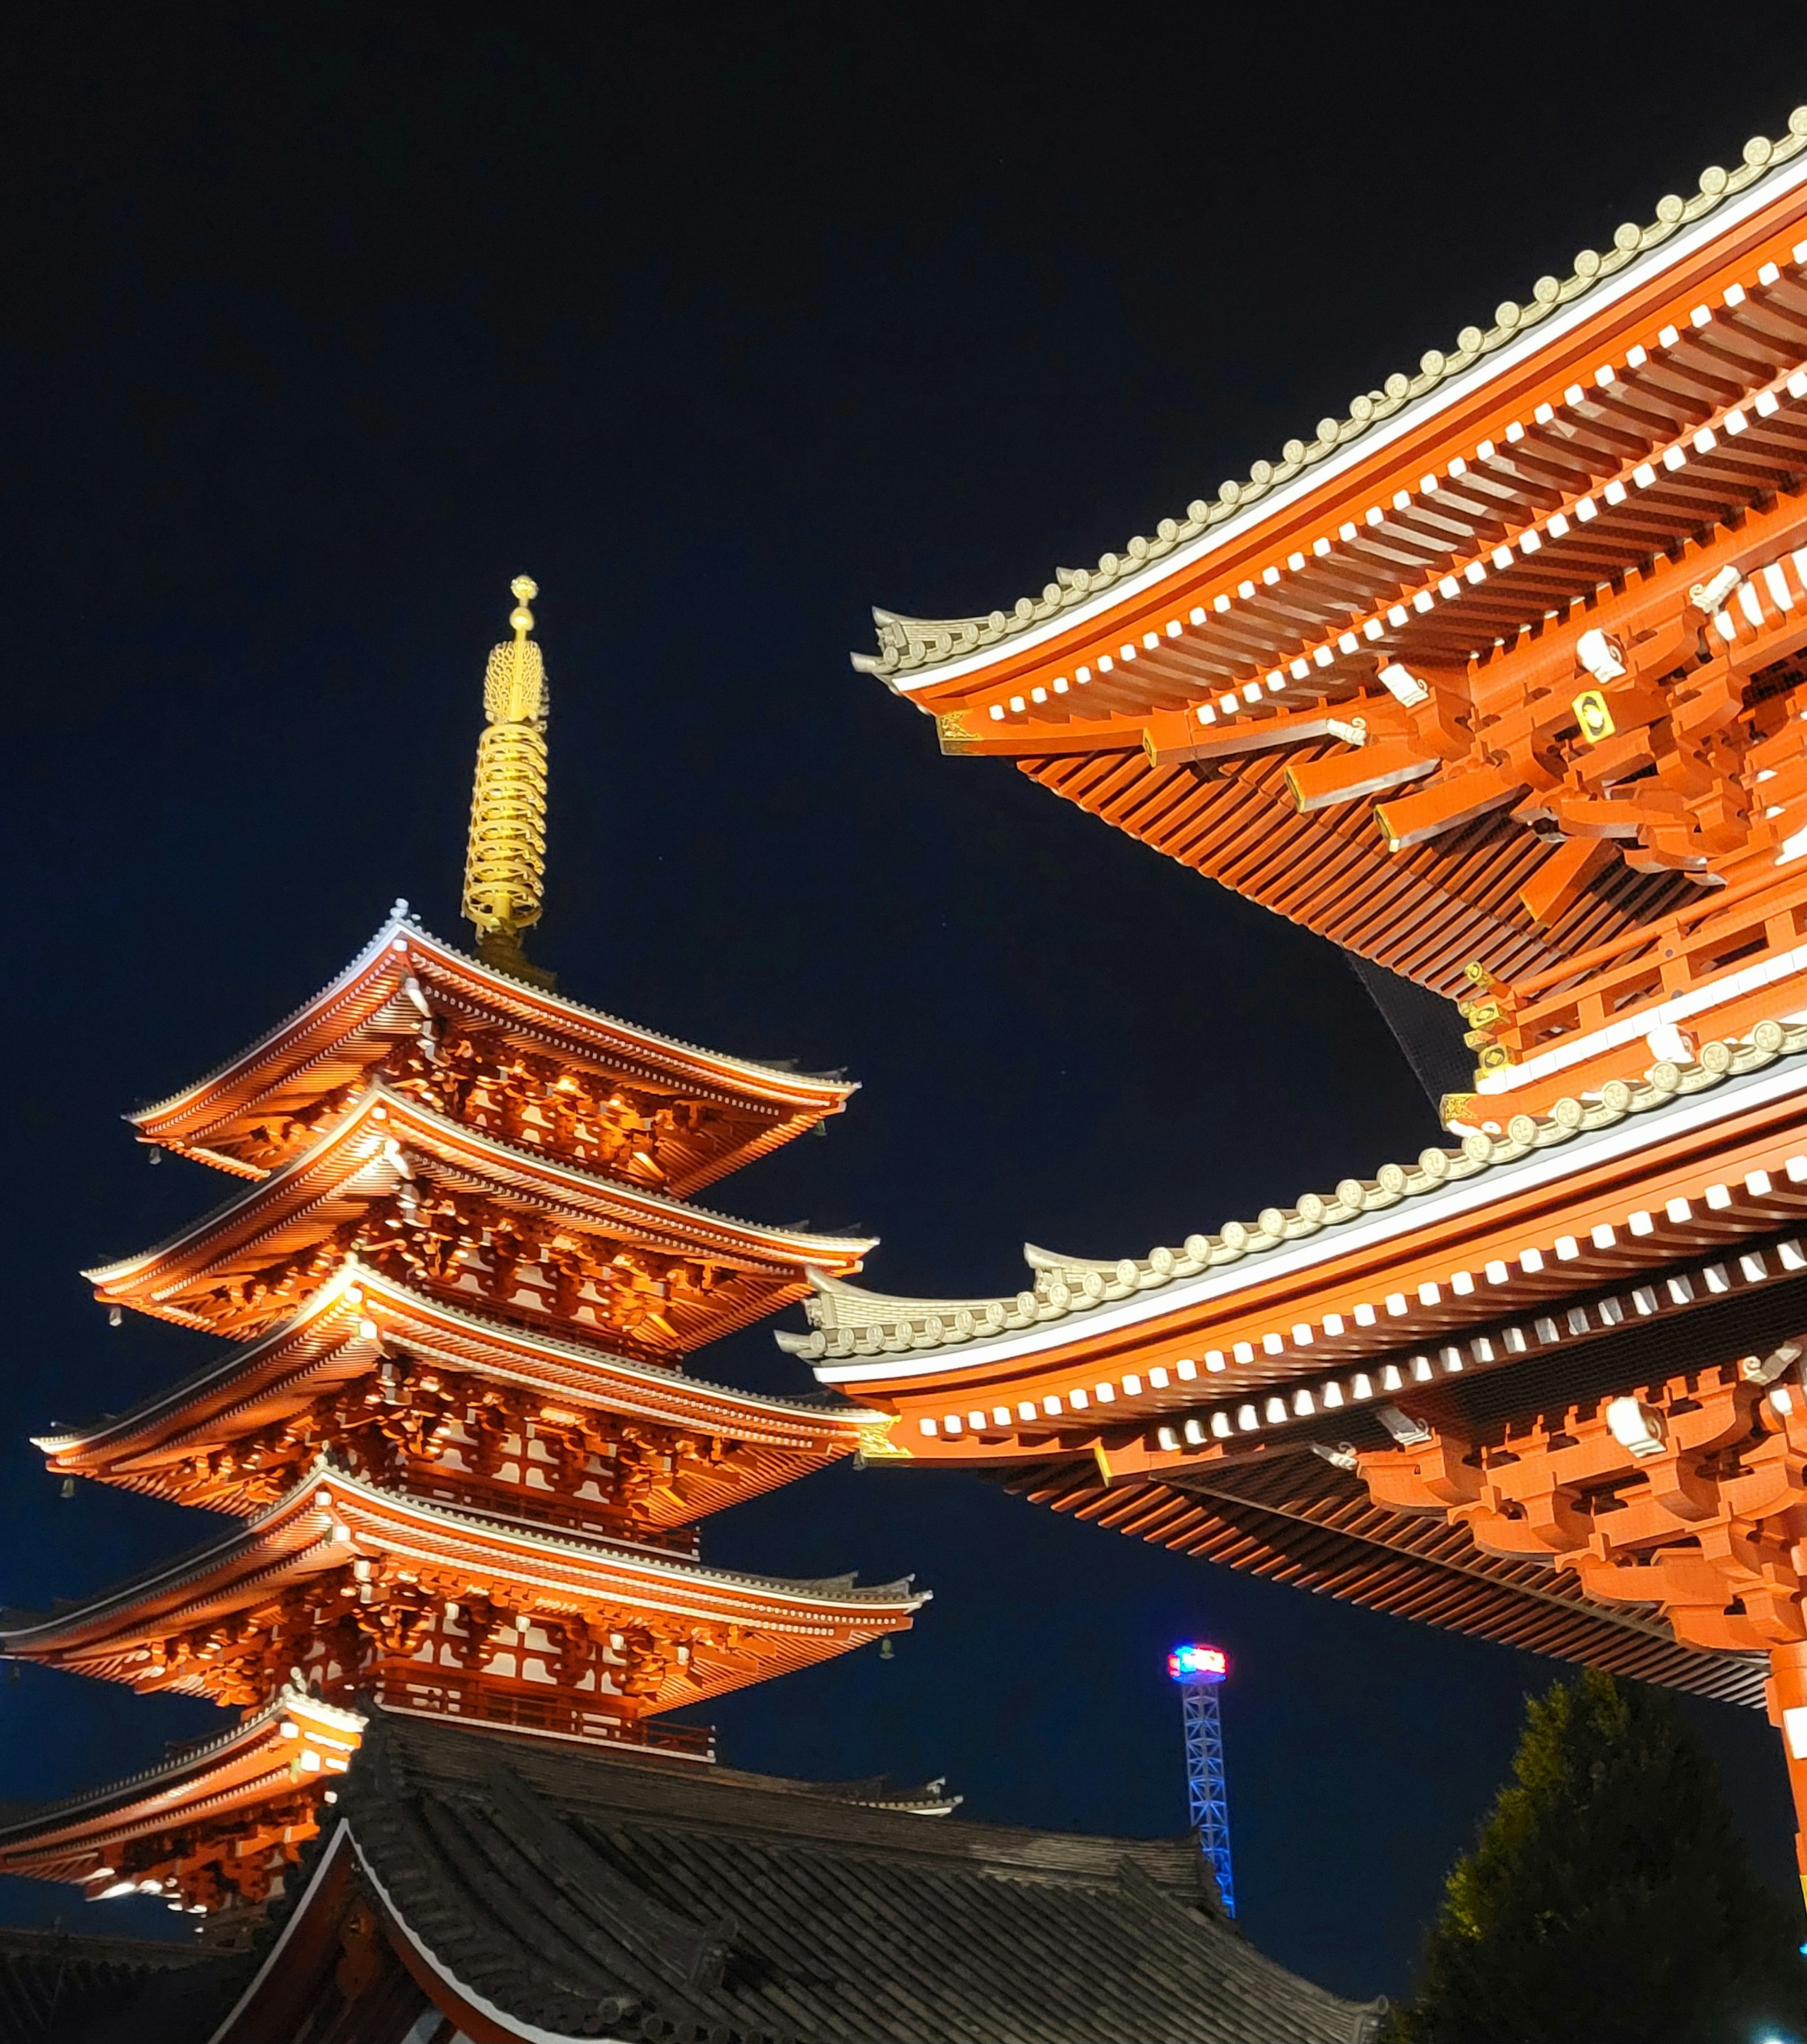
1465	1196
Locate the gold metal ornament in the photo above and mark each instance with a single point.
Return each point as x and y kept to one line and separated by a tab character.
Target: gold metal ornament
505	868
1593	716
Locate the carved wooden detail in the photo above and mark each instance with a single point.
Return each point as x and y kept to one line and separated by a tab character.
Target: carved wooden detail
1689	1497
385	1624
517	1264
239	1859
412	1426
477	1077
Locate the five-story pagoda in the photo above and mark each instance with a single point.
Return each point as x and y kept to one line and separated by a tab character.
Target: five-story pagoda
460	1278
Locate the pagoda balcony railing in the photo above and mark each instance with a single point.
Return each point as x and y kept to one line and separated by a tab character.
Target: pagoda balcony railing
481	1700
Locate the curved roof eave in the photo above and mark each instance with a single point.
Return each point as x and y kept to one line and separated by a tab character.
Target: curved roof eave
402	926
908	658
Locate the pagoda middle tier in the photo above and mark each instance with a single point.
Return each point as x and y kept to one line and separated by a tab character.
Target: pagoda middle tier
346	1588
452	1403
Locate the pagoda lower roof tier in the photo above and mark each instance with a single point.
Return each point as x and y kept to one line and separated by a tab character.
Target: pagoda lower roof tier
219	1820
349	1587
513	1057
440	1398
473	1217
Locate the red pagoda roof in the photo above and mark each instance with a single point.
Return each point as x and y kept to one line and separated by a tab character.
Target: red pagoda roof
372	1151
405	977
344	1329
295	1739
330	1522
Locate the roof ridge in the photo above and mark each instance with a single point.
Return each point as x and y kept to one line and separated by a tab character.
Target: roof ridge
400	921
370	1097
185	1568
840	1314
907	644
219	1371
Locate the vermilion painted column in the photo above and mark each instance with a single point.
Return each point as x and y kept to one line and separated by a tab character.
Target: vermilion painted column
1788	1713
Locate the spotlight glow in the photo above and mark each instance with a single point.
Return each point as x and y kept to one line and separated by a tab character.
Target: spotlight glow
1193	1662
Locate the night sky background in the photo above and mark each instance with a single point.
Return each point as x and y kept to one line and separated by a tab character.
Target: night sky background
320	323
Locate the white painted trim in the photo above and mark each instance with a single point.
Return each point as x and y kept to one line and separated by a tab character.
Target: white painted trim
1466	1196
1576	1049
1722	220
288	1931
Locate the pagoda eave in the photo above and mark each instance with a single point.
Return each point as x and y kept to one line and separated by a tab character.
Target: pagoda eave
289	1751
375	1151
347	1328
738	1628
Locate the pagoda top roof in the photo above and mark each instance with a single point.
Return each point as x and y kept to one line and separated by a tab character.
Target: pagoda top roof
331	1331
404	970
330	1516
360	1158
915	654
551	1893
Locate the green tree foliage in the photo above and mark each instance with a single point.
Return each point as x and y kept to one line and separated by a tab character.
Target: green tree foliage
1609	1898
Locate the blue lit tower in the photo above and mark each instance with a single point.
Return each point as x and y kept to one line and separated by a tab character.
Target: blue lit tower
1201	1672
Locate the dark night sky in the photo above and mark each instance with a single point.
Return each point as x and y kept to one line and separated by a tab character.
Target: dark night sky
321	323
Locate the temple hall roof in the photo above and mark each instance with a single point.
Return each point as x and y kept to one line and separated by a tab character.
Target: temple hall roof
916	652
863	1340
59	1988
553	1895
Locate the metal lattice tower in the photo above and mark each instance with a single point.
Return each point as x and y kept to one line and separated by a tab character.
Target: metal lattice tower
1200	1671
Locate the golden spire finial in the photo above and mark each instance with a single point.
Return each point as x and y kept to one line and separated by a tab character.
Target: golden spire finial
505	869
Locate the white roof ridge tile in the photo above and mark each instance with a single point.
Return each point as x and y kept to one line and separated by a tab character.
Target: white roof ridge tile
840	1313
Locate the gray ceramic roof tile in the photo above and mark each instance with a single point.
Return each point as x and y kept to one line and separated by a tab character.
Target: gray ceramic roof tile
589	1893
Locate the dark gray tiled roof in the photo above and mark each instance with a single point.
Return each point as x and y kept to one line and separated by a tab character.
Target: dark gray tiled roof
56	1989
590	1896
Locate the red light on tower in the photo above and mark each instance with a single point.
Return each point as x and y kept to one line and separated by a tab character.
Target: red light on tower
1194	1662
1201	1672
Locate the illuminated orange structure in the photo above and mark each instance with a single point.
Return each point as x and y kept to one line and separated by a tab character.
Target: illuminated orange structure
1499	683
461	1275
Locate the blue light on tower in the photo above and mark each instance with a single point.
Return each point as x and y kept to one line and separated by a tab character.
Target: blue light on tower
1200	1671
